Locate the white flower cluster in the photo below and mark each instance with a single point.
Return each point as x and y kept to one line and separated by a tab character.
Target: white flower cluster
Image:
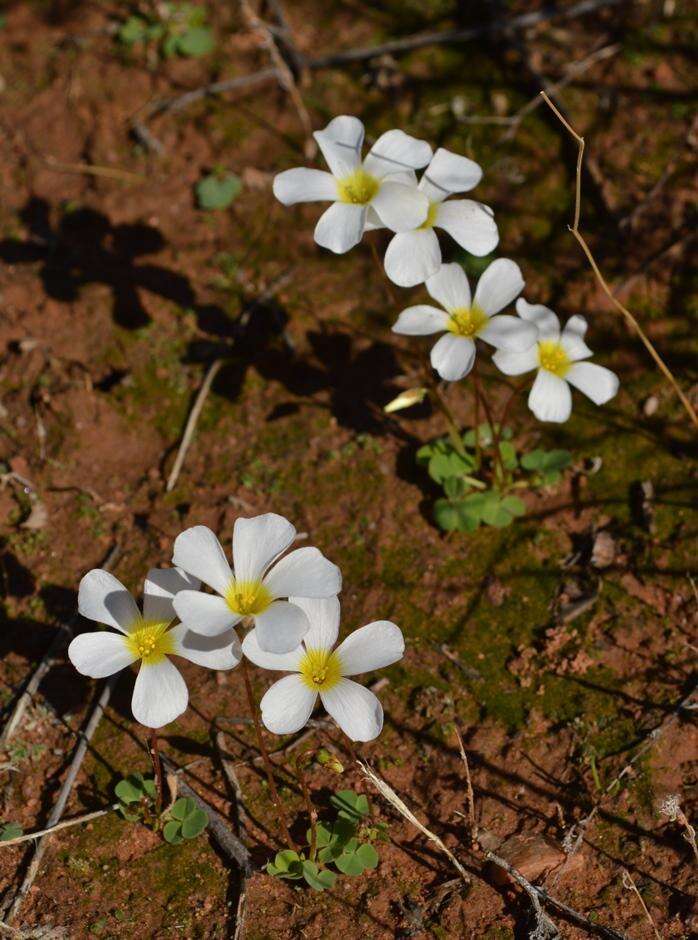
382	191
290	600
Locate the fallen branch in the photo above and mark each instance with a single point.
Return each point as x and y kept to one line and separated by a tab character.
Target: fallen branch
504	25
63	634
66	824
222	834
64	794
286	79
630	319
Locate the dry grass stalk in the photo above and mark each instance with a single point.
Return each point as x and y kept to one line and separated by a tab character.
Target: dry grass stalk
630	319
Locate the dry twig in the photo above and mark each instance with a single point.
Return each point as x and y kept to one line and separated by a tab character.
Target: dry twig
66	824
63	634
64	794
630	319
211	374
630	885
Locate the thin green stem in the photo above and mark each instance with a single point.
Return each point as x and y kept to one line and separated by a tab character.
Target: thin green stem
312	812
154	752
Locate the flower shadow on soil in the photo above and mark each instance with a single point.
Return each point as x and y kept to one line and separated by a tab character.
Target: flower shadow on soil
83	247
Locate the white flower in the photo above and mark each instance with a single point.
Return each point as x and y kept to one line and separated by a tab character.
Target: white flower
160	694
558	360
414	256
466	320
258	581
317	669
383	182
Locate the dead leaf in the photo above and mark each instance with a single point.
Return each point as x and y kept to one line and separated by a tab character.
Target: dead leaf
37	518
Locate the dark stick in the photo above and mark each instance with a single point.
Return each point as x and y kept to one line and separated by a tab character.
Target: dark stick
419	41
268	766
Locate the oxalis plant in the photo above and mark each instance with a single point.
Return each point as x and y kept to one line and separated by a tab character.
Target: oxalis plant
479	470
286	602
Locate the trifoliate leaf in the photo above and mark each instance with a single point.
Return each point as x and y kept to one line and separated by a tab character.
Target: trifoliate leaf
129	790
196	42
323	835
182	808
10	830
508	453
350	805
367	855
350	864
172	832
318	880
132	31
194	824
214	192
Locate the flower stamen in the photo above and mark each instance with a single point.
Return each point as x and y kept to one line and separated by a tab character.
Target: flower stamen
248	598
320	669
467	321
150	641
553	358
358	188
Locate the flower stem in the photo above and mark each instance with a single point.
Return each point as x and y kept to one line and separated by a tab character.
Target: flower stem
312	812
453	432
494	430
154	752
268	766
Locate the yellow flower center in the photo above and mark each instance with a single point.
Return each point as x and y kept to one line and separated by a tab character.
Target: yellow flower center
431	216
320	669
467	321
150	641
358	188
553	358
248	597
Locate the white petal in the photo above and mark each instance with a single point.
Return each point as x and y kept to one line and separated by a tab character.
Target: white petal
356	710
509	333
421	320
287	705
103	598
341	143
401	208
161	585
394	151
372	221
304	185
453	356
257	542
281	627
340	227
550	398
304	572
449	173
282	662
597	382
204	613
412	257
572	339
374	646
450	287
100	654
470	224
214	652
499	284
576	324
516	363
323	615
543	317
160	694
198	552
